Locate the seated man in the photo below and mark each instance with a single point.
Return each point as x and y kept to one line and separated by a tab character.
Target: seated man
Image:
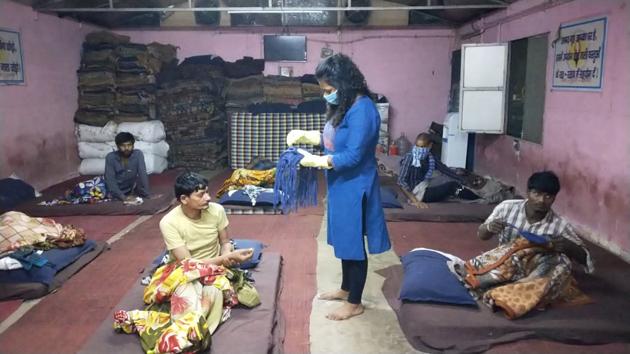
197	228
416	170
200	290
415	180
125	170
526	272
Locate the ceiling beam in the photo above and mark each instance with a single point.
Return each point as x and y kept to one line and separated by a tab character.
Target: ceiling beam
267	9
432	15
446	21
63	4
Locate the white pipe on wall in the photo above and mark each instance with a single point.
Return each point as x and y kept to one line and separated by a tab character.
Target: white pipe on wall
477	27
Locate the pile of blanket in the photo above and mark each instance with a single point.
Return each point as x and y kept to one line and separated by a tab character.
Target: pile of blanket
274	94
242	92
310	87
193	112
117	79
20	232
283	90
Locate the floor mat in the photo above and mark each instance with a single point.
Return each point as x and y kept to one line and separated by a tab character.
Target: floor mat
161	199
457	238
441	212
98	228
65	320
294	237
452	211
73	314
247	331
375	331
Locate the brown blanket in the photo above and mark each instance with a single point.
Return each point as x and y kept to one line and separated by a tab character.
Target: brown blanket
443	328
257	330
161	190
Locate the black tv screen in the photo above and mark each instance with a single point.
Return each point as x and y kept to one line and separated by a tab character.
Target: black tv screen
285	48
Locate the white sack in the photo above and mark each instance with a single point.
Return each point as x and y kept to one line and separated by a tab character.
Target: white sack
94	134
151	131
92	167
160	148
88	150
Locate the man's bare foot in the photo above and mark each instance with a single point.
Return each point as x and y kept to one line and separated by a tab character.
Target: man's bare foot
345	311
334	295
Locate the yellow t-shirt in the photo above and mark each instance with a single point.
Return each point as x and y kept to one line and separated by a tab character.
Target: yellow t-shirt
201	237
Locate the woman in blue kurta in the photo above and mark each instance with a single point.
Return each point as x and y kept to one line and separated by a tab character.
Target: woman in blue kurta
354	213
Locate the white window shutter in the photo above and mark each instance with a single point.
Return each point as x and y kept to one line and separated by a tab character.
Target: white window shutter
482	88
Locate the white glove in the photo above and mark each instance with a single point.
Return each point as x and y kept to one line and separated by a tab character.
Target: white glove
311	137
310	160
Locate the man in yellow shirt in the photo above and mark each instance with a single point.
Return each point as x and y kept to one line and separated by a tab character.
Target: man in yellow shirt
197	228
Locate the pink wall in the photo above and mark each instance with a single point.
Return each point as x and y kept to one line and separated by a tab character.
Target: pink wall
410	67
586	135
36	119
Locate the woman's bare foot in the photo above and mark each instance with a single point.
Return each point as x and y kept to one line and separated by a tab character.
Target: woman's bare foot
334	295
345	311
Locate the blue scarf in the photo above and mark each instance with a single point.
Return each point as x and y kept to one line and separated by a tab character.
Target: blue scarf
294	186
418	154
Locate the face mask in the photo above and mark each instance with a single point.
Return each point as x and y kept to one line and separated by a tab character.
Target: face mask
332	97
418	154
421	150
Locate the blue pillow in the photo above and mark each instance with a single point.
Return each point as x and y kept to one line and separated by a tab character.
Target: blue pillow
256	245
389	198
428	279
239	197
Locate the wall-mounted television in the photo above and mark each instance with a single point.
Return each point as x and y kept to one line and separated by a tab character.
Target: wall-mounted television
284	48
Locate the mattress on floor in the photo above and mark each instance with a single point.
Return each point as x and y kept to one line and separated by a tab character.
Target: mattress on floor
249	210
437	328
450	211
162	198
238	202
257	330
33	290
441	212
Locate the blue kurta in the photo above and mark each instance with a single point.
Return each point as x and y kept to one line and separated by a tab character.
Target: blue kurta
354	199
